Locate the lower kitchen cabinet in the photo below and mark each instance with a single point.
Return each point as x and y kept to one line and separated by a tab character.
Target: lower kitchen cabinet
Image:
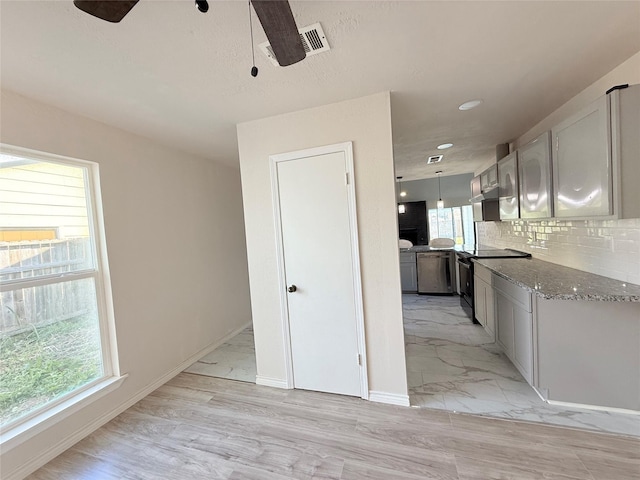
571	350
514	322
523	342
408	272
483	299
504	324
587	352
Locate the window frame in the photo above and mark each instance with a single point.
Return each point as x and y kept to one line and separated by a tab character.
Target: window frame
20	429
462	219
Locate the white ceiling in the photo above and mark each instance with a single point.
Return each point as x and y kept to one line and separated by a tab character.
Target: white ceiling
181	77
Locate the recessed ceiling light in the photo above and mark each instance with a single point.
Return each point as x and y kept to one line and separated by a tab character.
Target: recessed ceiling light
444	146
470	104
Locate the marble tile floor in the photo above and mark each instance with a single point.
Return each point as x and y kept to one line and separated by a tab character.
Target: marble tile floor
233	360
453	364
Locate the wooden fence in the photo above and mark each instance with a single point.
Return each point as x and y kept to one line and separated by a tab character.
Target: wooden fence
24	308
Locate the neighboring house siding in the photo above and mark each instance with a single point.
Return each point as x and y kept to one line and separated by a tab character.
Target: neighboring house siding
44	200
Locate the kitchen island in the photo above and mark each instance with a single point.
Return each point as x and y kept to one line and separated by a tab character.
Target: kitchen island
574	335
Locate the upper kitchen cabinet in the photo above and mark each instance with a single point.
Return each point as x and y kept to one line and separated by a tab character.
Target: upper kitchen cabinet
485	185
484	195
489	178
596	159
508	187
582	168
625	146
534	178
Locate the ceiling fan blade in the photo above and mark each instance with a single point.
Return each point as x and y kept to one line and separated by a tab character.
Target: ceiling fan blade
109	10
278	23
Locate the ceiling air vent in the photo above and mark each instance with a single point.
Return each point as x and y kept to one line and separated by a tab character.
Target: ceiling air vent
435	159
313	41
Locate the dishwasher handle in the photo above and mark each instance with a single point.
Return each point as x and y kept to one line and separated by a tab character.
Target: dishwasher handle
433	254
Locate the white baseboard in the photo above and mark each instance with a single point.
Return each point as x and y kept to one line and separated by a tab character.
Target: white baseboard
594	407
544	396
66	443
272	382
390	398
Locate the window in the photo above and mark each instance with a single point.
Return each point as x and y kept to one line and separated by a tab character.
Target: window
54	336
455	222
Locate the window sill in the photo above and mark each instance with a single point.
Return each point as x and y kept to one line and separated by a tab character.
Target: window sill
22	432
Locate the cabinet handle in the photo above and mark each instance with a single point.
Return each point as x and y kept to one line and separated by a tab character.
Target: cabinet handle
291	288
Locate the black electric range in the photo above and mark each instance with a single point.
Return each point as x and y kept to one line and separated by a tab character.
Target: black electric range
466	271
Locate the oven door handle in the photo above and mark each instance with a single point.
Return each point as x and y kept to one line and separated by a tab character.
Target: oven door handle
463	264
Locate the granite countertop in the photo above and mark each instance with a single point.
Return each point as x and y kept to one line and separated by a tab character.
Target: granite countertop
555	282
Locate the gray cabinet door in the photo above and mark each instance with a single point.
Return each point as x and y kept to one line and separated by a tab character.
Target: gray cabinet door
489	301
582	171
504	323
408	272
515	333
508	185
489	178
409	277
523	342
479	300
484	305
534	178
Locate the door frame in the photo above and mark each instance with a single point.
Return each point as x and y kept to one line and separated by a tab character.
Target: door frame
274	160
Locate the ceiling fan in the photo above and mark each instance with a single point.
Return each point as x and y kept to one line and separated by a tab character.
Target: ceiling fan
274	15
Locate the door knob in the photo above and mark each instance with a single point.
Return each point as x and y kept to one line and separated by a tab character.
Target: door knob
291	288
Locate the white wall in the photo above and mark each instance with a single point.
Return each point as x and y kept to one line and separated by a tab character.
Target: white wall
175	240
627	72
604	247
367	122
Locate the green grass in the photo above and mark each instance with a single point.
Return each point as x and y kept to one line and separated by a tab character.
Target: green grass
39	365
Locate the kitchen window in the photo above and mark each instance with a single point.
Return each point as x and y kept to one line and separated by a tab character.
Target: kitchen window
454	222
55	323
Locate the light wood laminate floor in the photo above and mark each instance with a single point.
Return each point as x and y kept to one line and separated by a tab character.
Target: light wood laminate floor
198	427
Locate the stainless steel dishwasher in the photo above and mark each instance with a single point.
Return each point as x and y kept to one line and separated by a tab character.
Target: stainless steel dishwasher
436	271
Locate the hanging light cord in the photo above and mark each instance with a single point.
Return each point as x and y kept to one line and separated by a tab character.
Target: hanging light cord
254	69
439	193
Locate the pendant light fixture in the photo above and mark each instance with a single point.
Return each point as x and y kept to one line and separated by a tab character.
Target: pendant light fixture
439	203
401	206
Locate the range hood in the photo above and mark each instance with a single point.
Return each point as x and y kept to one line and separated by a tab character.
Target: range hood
488	194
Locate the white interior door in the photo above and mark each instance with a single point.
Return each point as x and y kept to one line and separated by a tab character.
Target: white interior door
318	259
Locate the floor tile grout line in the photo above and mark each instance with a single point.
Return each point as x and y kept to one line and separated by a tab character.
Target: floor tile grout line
516	406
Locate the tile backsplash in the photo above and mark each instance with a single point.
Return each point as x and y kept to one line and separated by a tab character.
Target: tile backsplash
605	247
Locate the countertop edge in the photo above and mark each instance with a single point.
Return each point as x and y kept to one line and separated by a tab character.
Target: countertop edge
561	296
